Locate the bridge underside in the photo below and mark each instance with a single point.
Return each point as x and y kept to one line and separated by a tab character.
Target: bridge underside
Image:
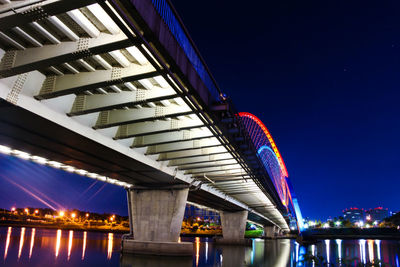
105	89
23	130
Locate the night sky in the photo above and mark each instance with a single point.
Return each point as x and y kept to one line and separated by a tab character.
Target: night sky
322	75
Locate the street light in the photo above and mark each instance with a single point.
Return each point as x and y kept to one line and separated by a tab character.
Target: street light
73	215
12	209
61	213
36	211
27	211
87	215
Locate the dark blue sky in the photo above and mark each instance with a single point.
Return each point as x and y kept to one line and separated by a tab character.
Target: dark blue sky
322	75
324	78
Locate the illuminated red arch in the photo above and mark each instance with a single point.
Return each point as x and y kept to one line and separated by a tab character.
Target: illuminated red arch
269	137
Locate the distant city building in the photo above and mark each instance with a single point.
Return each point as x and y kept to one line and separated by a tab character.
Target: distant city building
354	215
377	214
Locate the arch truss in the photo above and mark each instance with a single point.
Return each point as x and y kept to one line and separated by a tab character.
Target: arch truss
269	155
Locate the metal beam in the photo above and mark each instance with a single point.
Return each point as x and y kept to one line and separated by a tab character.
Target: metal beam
27	14
38	58
237	181
216	170
156	127
239	187
224	175
192	153
55	86
85	104
200	159
113	118
227	180
184	145
241	192
209	165
172	137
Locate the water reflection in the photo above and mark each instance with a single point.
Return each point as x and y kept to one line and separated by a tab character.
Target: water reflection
32	242
197	241
71	236
378	250
76	248
21	242
7	242
371	251
313	253
362	251
129	260
84	245
110	245
58	242
328	253
339	251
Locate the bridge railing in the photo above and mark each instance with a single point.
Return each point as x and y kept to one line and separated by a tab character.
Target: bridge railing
172	20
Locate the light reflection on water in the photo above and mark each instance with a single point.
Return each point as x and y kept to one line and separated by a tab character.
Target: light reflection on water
21	242
84	245
30	246
32	241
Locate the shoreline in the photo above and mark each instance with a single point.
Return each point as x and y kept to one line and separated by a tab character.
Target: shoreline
61	227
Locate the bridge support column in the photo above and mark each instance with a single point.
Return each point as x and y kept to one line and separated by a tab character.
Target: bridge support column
269	231
233	227
157	216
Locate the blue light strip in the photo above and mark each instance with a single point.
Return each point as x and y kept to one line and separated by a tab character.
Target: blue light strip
296	206
164	10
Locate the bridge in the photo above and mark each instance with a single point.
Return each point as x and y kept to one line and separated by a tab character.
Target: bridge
117	91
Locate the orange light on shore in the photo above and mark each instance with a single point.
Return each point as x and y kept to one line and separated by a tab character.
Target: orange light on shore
26	210
61	213
111	218
12	209
87	215
73	215
36	211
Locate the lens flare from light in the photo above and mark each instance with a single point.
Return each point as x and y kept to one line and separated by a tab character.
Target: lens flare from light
29	193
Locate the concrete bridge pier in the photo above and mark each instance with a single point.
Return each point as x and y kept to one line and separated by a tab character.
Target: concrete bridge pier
269	231
156	216
233	228
272	231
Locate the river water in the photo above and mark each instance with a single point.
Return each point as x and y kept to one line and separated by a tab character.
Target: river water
43	247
